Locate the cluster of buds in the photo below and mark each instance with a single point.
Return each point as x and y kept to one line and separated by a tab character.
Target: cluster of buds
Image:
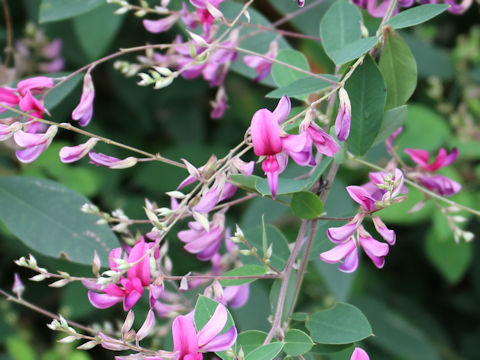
160	77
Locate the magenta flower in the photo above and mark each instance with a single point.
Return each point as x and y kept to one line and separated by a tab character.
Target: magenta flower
84	110
236	296
344	116
439	184
421	157
161	25
130	288
190	344
204	14
389	143
359	354
269	140
111	162
35	85
33	144
348	252
8	97
382	189
323	142
261	65
69	154
204	244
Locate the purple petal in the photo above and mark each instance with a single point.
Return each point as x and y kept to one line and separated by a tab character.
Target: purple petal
350	263
184	336
359	354
214	326
336	254
222	342
282	110
30	154
388	235
375	250
342	233
103	301
131	299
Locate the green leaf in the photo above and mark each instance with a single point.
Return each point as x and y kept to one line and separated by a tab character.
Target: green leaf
416	15
329	349
246	270
342	324
245	182
396	334
57	95
306	205
450	258
399	70
301	87
339	27
249	341
55	10
432	60
46	216
353	50
265	352
285	186
366	90
96	30
280	250
392	120
19	349
297	342
204	310
284	76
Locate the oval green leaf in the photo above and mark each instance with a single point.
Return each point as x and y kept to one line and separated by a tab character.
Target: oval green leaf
353	50
246	270
283	75
46	216
306	205
285	186
399	69
297	342
301	87
366	90
416	15
342	324
55	10
339	27
265	352
204	310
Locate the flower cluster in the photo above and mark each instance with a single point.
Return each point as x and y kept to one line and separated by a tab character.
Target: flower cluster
33	137
381	191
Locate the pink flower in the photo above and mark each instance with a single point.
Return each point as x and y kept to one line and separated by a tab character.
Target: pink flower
161	25
359	354
189	343
344	116
269	140
219	105
348	252
34	144
323	142
111	162
389	143
69	154
84	110
34	85
205	16
261	65
8	97
236	296
131	288
7	131
201	242
421	157
439	184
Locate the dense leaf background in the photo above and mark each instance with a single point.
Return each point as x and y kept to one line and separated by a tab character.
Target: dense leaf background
422	305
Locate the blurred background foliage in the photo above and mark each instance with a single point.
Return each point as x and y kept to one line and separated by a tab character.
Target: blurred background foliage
422	305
